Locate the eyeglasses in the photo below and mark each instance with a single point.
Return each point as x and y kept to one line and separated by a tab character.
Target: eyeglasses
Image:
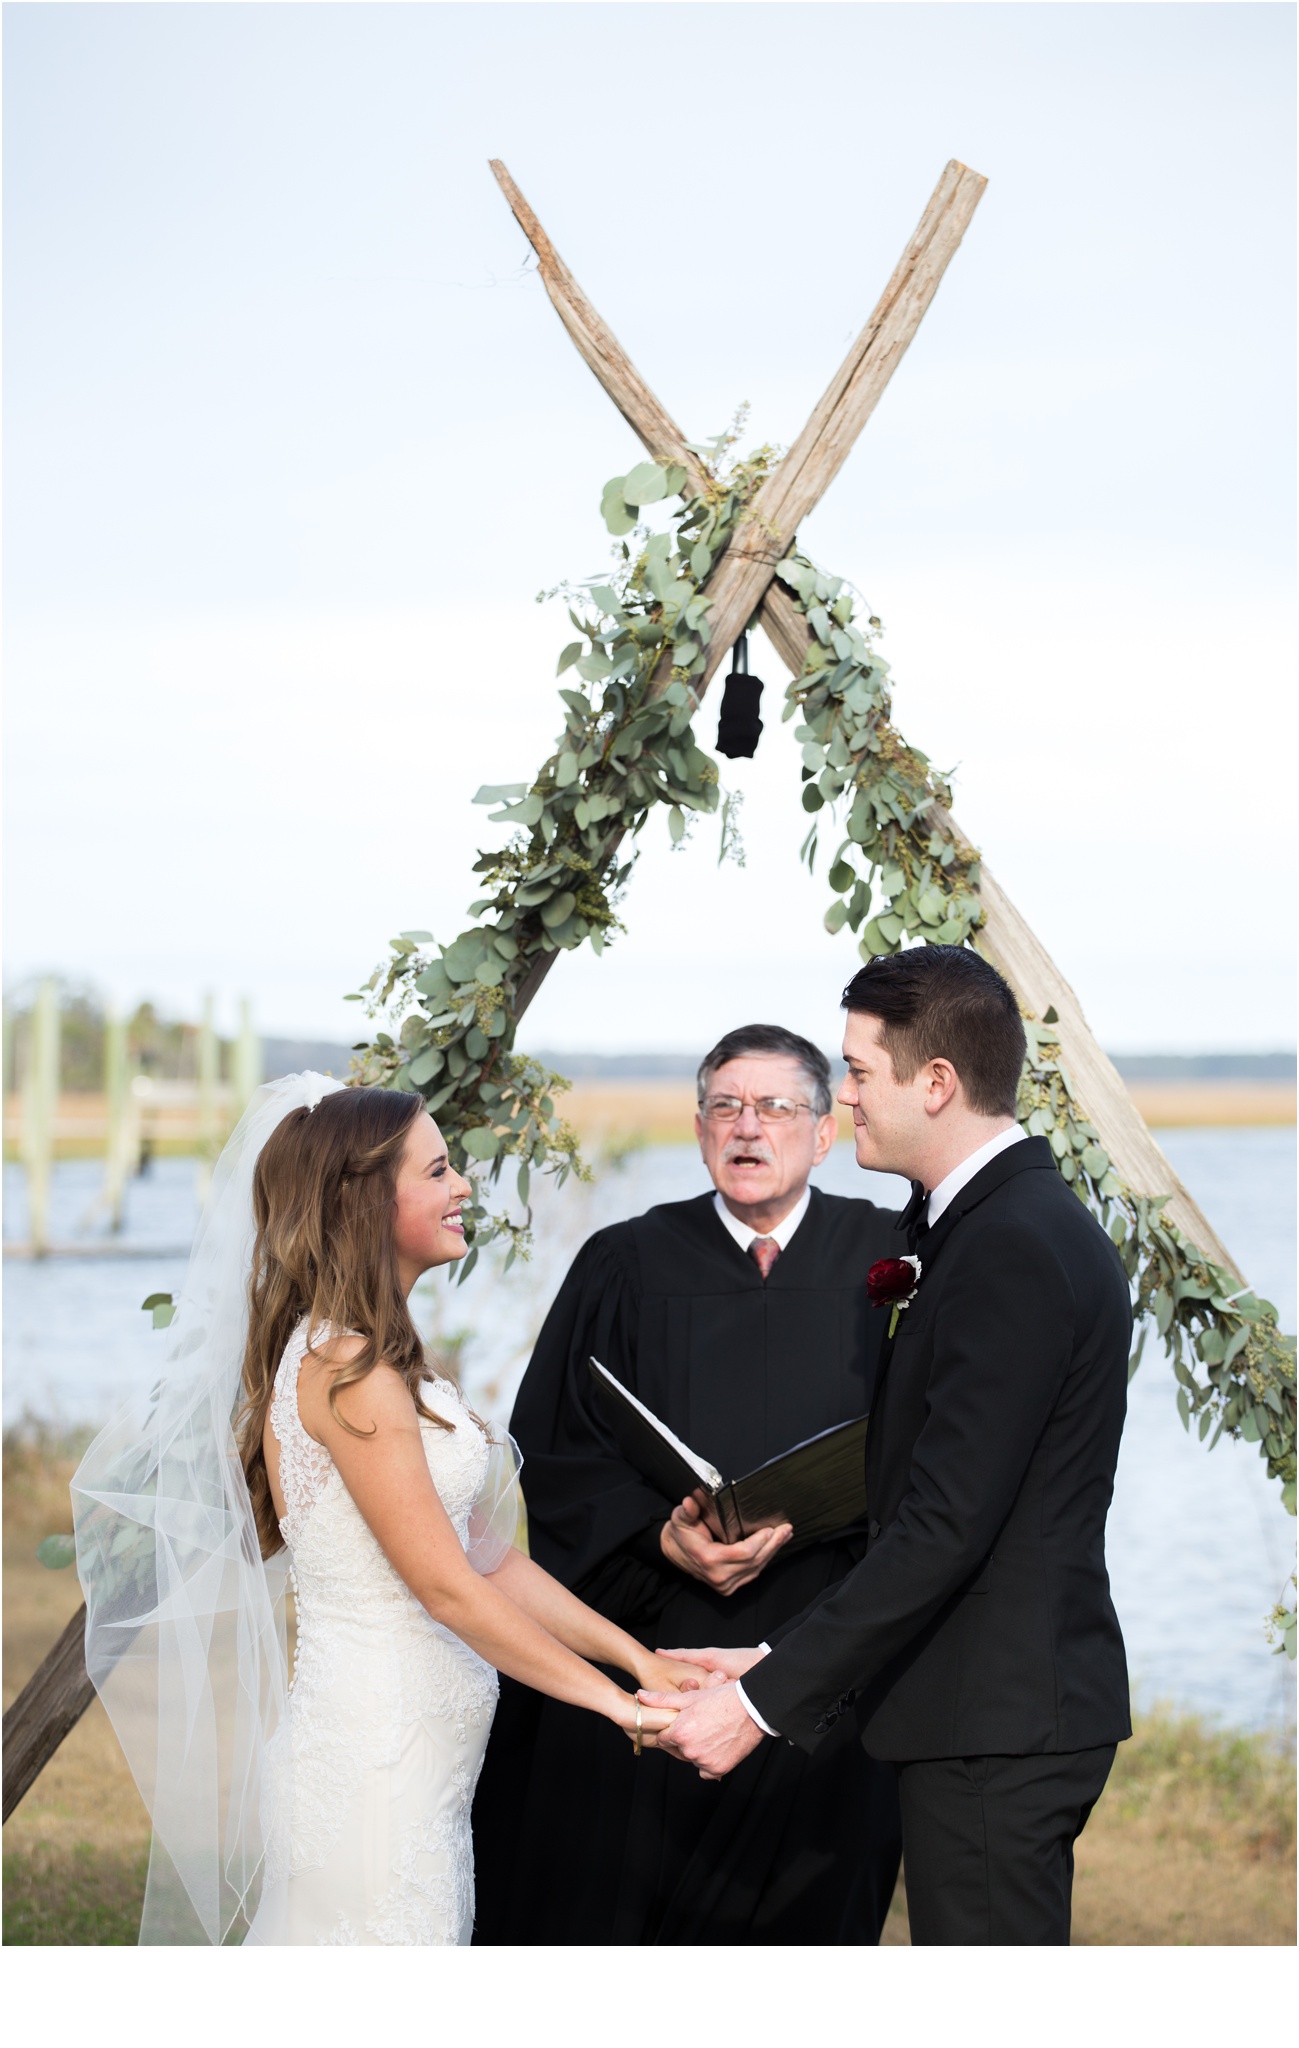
769	1109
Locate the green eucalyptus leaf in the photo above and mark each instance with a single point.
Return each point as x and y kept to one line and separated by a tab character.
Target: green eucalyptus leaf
932	906
526	813
558	909
481	1142
56	1553
618	515
434	983
645	484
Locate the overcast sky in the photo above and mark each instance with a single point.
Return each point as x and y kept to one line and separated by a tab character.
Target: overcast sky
292	441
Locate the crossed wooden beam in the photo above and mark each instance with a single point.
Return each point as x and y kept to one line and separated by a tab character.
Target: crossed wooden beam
743	583
58	1694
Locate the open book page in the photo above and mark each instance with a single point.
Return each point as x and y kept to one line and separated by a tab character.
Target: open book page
708	1474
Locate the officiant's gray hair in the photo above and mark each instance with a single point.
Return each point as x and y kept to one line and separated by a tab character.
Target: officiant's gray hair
771	1038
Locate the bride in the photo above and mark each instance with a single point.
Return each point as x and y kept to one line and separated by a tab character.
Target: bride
335	1809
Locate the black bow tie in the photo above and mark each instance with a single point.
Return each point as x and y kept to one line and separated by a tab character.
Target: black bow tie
914	1221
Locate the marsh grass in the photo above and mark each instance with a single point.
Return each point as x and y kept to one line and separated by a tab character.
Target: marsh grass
1191	1844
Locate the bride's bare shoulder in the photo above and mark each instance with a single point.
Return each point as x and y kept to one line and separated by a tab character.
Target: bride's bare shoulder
378	1400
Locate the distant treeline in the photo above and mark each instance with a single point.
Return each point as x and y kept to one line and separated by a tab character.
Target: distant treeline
164	1048
167	1049
290	1055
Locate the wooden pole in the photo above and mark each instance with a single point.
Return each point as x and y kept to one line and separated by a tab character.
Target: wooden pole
48	1707
10	1053
118	1105
1005	938
598	345
40	1107
247	1060
780	507
208	1076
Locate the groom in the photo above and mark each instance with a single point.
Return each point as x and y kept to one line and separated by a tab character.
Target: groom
975	1642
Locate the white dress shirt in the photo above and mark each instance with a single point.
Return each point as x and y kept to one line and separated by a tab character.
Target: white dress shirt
747	1704
960	1176
941	1198
745	1234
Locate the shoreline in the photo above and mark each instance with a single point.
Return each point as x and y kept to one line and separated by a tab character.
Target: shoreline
660	1110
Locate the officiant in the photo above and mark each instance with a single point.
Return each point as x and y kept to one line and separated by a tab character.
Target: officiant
740	1318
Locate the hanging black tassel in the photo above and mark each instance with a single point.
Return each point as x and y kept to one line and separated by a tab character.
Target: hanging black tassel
739	727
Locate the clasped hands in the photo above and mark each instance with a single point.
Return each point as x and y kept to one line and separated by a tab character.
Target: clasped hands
685	1700
710	1730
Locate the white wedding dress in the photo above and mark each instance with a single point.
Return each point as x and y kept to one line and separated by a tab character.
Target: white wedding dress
372	1773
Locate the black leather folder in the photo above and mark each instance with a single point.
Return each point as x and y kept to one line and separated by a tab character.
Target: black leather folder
818	1486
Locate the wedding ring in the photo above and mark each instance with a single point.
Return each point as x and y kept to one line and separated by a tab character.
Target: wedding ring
637	1740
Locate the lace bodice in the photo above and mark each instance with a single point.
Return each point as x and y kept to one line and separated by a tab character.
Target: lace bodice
380	1691
458	1458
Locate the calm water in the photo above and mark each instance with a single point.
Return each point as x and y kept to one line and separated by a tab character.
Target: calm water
1199	1546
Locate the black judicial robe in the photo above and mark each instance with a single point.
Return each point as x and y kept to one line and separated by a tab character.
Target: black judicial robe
576	1840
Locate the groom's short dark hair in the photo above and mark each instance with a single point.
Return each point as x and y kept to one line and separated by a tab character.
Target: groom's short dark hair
946	1002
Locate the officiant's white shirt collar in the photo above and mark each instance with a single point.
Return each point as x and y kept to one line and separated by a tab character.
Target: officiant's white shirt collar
960	1176
744	1233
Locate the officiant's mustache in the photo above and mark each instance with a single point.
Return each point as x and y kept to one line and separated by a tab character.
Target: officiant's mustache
747	1148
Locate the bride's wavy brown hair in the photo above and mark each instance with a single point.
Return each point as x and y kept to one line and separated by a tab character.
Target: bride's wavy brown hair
324	1193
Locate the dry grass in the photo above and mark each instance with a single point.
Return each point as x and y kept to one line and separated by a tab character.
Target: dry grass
1191	1845
75	1850
1168	1104
662	1112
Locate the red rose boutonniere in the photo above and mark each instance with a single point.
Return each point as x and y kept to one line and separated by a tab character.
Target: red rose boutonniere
892	1283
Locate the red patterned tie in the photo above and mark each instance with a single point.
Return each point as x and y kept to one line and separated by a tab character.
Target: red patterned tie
764	1251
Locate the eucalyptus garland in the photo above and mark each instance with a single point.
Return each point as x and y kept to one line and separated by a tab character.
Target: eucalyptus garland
897	872
627	745
853	756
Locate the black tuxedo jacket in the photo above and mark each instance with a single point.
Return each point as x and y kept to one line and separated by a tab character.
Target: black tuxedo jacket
979	1621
